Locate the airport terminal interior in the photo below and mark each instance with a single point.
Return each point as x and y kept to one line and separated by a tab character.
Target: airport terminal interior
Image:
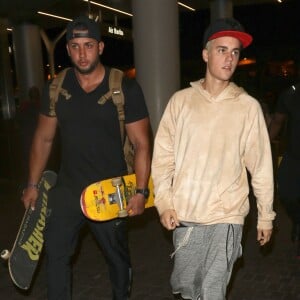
269	66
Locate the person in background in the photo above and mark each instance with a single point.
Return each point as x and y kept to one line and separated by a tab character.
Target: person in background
209	136
92	150
287	116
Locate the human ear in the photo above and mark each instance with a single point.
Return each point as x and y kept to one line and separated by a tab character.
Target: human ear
205	54
100	47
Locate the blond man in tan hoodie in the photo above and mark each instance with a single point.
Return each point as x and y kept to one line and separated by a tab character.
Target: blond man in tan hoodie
209	136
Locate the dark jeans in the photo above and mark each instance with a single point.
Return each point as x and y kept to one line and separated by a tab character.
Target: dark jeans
61	237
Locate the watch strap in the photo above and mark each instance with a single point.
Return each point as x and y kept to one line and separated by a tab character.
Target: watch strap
144	192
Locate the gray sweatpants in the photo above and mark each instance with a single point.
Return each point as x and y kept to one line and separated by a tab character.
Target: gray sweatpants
204	257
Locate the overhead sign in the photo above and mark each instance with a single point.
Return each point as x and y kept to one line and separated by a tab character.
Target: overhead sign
116	32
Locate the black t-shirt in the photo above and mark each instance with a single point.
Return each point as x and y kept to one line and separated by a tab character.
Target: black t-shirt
289	104
90	132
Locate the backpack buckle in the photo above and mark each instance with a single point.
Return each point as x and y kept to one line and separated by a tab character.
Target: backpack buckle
116	92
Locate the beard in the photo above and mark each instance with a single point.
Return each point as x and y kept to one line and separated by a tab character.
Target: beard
88	70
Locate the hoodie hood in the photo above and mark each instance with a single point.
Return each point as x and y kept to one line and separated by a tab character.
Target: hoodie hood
231	92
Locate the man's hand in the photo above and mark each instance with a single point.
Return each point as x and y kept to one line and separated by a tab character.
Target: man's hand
263	236
136	205
169	219
29	197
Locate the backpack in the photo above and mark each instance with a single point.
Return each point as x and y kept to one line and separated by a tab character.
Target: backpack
115	93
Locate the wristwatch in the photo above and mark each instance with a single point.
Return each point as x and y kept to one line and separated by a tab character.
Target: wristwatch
144	192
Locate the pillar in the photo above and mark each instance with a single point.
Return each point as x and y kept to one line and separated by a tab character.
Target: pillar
28	58
50	46
220	9
7	102
156	52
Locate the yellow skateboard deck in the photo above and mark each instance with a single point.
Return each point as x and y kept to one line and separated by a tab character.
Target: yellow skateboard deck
107	199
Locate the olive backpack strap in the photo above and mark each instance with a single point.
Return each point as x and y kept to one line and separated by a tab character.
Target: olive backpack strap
116	94
55	88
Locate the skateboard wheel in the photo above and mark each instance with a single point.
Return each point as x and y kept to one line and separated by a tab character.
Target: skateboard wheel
116	181
123	213
5	254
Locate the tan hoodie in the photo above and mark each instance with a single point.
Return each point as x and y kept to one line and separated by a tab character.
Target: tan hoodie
202	149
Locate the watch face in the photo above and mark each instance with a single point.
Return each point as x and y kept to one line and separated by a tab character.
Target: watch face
144	192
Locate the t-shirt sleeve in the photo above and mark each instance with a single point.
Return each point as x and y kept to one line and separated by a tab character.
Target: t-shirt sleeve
135	106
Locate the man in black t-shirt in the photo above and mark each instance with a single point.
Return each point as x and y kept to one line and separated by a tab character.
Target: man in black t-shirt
288	113
91	150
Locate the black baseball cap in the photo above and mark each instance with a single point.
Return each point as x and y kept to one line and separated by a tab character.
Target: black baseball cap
227	27
87	27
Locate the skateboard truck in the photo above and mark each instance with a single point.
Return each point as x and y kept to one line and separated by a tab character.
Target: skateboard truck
108	199
117	182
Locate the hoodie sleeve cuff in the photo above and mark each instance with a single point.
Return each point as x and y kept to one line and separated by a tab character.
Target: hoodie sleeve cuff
265	225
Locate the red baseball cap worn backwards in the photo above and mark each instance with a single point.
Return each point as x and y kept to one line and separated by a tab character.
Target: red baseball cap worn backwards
227	27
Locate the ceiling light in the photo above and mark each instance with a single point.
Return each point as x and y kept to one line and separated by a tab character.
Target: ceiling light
53	16
128	14
109	7
186	6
